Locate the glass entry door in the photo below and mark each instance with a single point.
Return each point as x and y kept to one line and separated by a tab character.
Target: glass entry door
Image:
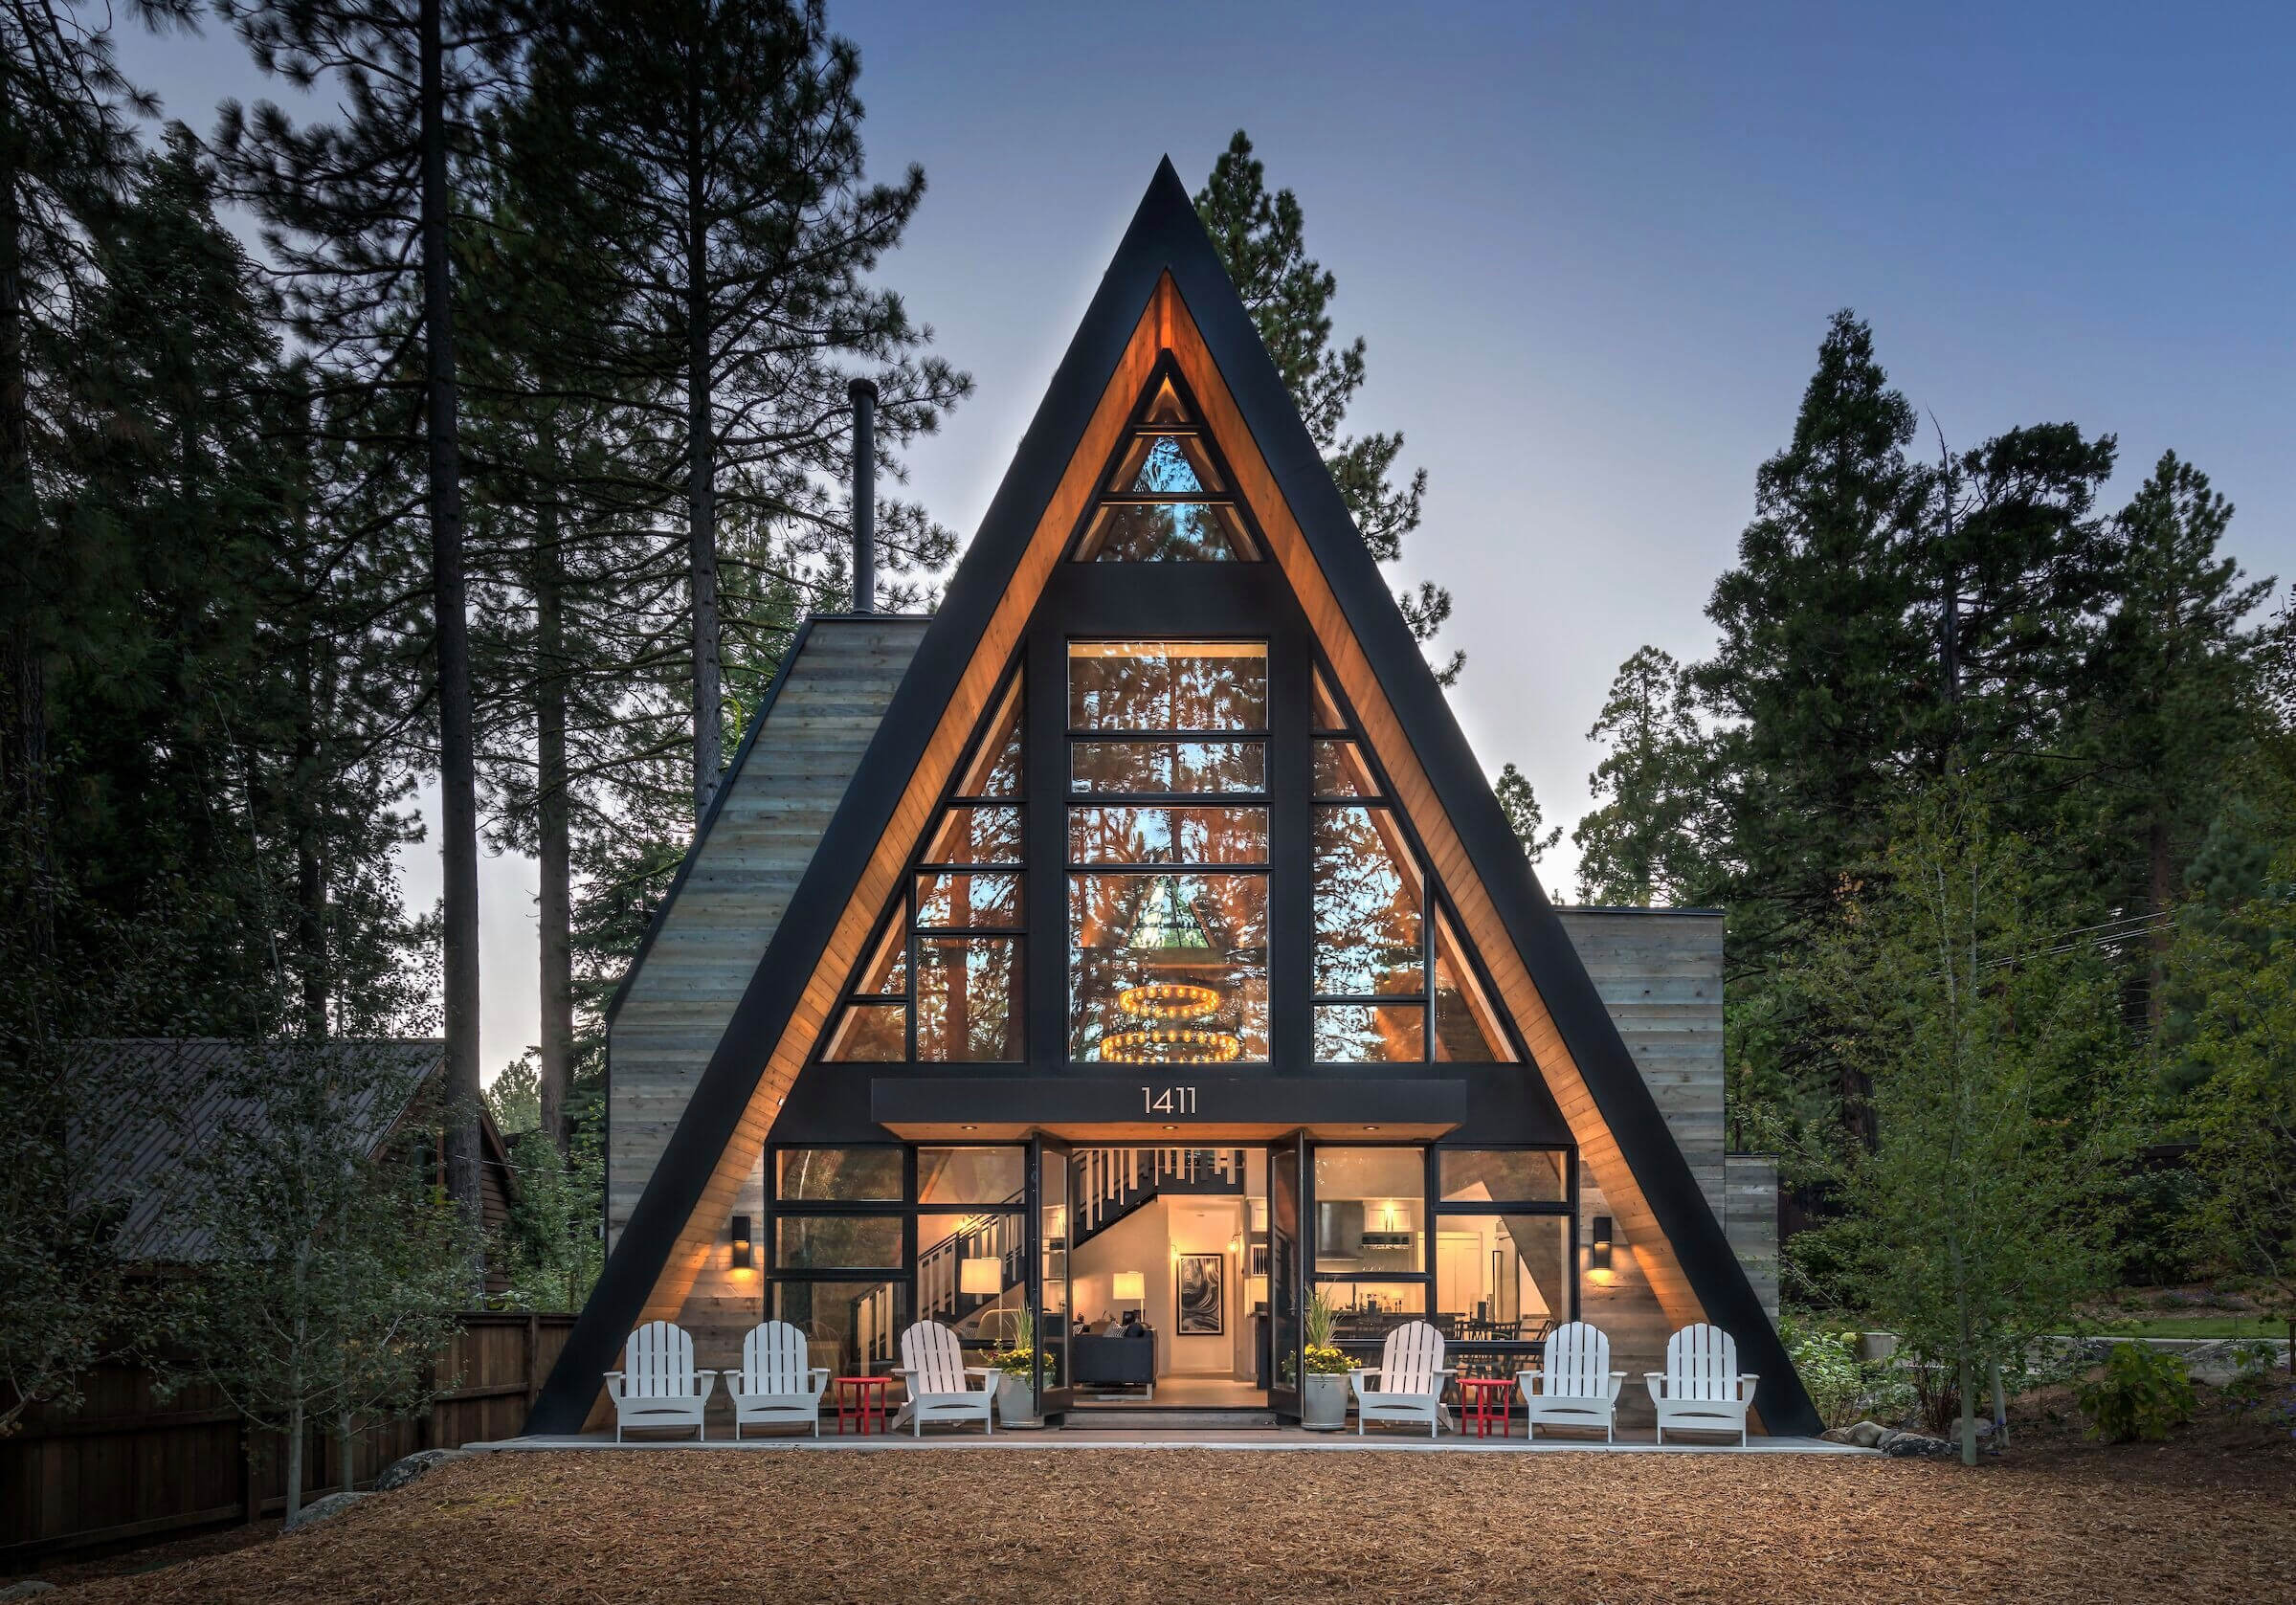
1051	1220
1287	1271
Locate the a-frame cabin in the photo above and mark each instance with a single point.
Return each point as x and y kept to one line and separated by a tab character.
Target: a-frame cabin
1137	943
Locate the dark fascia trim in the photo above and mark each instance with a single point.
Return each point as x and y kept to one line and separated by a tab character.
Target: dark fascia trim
1634	908
721	1095
1166	235
717	799
1621	1097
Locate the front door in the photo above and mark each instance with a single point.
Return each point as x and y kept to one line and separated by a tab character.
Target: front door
1052	1221
1287	1272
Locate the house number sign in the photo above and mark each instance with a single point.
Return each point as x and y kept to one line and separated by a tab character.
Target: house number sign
1167	1100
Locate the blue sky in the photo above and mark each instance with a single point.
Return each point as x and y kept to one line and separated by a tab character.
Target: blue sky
1593	250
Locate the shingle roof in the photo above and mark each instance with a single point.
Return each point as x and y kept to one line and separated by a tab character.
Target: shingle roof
178	1092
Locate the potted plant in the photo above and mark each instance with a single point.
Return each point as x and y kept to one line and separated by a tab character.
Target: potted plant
1016	1366
1323	1389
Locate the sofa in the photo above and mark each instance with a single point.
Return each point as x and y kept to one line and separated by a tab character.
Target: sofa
1112	1361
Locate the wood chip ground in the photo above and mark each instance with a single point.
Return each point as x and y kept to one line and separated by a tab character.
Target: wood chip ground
1190	1527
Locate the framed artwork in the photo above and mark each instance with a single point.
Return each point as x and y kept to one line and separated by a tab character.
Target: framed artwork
1202	1283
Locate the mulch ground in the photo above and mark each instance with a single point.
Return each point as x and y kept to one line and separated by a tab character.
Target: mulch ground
2213	1521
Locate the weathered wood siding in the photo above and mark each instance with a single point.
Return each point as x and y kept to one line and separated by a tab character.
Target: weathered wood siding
778	802
1658	971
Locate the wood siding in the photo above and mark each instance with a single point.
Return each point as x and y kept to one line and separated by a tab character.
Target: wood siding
778	802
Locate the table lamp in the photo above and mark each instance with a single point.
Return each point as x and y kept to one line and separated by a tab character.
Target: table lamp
981	1275
1255	1291
1131	1292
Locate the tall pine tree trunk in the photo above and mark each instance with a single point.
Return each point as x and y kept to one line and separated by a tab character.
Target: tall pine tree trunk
702	490
458	761
552	847
2160	883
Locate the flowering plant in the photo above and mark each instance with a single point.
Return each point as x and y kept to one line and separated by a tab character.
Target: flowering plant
1323	1360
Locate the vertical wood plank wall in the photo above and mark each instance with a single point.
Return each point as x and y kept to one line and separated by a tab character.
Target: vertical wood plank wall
1659	972
724	916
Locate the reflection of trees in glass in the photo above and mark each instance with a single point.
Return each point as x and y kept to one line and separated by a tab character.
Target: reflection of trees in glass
835	1242
1153	836
1229	911
1168	765
1367	906
841	1173
965	998
1158	686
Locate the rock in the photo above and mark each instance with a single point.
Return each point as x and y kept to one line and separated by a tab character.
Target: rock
1859	1434
1914	1445
26	1588
421	1463
2220	1364
320	1509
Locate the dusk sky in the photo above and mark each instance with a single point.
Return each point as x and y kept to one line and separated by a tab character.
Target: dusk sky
1593	250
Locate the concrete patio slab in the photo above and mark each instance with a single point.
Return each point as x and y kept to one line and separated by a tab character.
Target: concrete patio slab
1248	1438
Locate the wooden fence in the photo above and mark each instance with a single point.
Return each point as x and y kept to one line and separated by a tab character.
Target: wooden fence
125	1468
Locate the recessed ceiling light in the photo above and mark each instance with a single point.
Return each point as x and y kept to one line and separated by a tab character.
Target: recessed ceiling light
971	1128
1370	1129
1172	1128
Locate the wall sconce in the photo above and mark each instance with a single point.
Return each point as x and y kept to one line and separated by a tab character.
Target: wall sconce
1131	1292
740	1234
983	1274
1598	1256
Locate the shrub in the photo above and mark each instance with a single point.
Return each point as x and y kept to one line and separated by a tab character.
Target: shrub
2141	1394
1827	1363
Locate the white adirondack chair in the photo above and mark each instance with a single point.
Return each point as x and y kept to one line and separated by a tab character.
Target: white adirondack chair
776	1386
941	1384
1576	1388
661	1387
1702	1387
1412	1379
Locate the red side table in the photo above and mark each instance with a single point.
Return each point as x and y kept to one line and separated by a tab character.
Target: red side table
858	1396
1479	1393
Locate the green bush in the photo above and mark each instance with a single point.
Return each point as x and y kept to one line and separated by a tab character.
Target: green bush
2142	1393
1827	1363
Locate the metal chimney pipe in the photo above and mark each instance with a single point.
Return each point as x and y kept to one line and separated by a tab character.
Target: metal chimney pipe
864	495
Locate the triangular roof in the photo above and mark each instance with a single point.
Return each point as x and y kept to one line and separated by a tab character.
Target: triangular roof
1166	291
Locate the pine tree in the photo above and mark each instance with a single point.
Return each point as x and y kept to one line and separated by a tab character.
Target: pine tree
1261	240
722	144
1641	841
356	217
1524	814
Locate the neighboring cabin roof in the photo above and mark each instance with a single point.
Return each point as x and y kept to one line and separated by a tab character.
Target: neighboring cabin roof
180	1100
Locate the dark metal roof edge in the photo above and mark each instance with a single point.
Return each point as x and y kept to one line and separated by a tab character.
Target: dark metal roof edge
723	1093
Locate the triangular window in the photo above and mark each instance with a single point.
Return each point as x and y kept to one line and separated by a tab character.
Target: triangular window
1166	498
1394	982
942	981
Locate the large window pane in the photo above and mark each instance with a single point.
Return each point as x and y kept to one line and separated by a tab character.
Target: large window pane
1168	685
1502	1175
1165	465
1368	905
1167	835
1152	766
1340	771
851	1329
1168	968
804	1243
845	1175
966	997
1165	532
869	1034
1466	1024
995	1244
1503	1276
1370	1032
963	900
970	1175
995	768
1368	1204
887	972
1365	1312
976	836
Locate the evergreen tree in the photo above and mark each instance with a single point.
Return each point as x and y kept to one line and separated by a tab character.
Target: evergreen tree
1524	814
1640	843
720	145
1261	240
356	217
